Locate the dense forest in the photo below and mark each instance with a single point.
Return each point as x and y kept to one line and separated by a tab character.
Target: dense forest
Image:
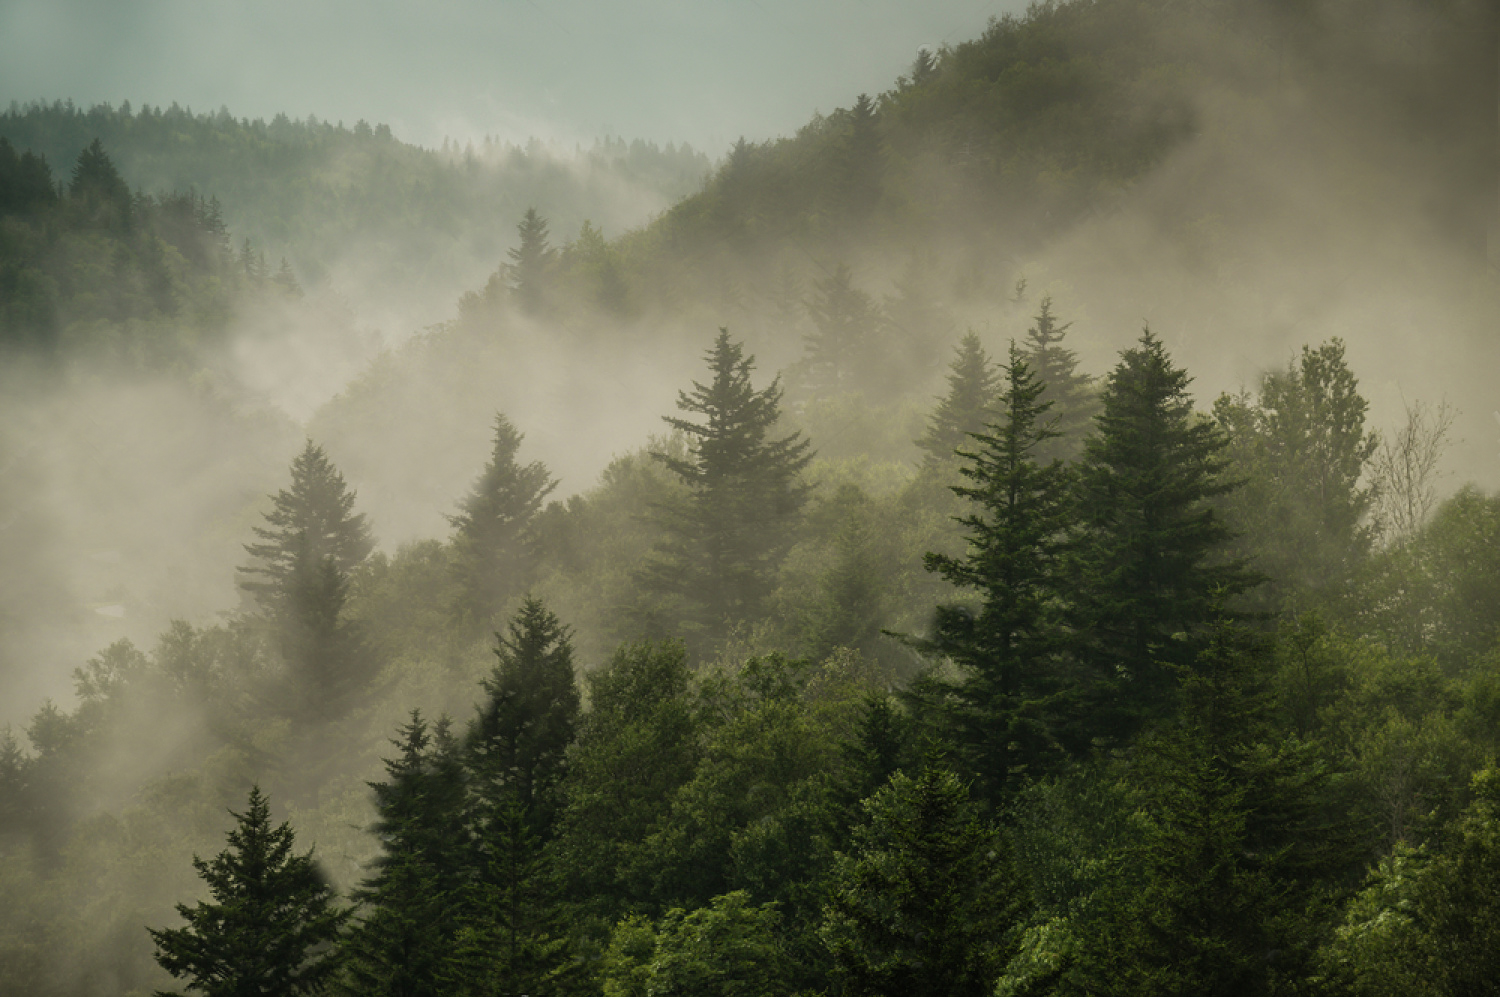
1032	532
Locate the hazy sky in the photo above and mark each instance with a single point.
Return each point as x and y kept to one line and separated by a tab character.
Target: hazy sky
702	71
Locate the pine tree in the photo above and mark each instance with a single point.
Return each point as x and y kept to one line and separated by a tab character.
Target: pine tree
410	902
925	902
844	353
723	547
1216	894
517	744
299	580
529	271
98	186
1071	394
1011	653
494	549
271	927
862	161
1153	562
968	407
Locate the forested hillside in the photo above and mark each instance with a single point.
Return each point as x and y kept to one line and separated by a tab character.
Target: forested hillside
398	230
1029	533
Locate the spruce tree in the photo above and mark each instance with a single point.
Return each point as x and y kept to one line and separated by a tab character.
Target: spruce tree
494	549
529	271
968	407
723	546
845	352
271	925
1071	394
1011	653
299	580
517	744
925	901
410	903
1153	558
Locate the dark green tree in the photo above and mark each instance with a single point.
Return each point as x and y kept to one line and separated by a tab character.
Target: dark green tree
517	744
411	902
1220	891
1072	395
1007	710
724	545
529	272
97	187
969	405
494	548
637	744
925	901
862	160
272	926
1154	567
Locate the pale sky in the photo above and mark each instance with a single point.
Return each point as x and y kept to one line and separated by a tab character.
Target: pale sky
701	71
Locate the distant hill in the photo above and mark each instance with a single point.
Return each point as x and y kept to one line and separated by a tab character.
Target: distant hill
399	230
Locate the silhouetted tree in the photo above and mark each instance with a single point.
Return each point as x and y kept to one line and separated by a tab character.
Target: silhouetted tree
271	925
1071	394
494	549
969	405
724	544
529	272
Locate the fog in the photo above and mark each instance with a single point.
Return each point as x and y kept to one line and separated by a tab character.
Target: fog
1295	208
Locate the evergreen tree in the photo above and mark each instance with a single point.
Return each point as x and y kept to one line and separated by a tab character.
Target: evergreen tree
1071	394
723	547
636	746
925	902
1011	653
517	744
98	187
494	548
862	163
529	271
410	903
967	408
1218	895
845	351
299	579
271	926
1153	563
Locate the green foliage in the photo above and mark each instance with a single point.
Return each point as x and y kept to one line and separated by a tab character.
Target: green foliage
725	949
272	924
1070	395
529	272
724	545
1153	563
973	387
299	577
636	745
494	541
1302	450
1008	712
925	901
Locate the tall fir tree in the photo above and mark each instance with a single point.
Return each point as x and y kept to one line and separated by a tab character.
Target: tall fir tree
1012	653
1153	561
271	926
299	579
494	548
723	546
845	350
969	405
529	272
1072	395
411	902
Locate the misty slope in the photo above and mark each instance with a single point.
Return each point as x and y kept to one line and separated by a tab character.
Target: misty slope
397	229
